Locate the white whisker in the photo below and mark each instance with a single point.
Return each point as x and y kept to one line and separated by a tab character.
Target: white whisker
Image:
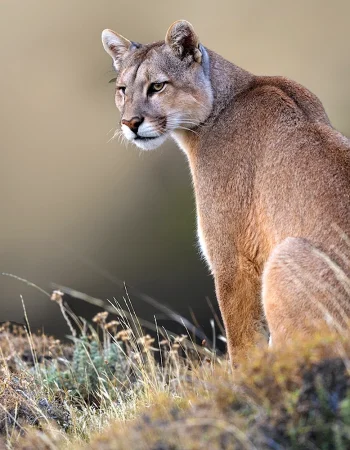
187	129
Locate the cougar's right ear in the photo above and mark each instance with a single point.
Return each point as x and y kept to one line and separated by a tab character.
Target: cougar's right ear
115	45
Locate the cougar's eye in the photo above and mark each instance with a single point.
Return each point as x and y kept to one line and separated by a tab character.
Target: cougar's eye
156	87
122	89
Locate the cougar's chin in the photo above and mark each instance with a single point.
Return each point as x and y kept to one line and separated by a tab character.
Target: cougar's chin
149	143
146	142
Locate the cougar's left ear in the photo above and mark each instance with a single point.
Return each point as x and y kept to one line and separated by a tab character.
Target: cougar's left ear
183	40
115	45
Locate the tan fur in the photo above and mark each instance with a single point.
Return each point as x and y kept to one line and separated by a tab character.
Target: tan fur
271	179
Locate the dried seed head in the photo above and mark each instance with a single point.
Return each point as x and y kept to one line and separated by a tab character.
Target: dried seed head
124	335
146	342
57	296
180	339
112	326
100	318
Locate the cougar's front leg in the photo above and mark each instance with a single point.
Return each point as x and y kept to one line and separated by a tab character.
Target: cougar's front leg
238	292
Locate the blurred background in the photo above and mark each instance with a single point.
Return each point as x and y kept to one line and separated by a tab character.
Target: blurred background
78	209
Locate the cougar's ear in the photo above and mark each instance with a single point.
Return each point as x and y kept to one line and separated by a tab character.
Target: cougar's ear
115	45
183	40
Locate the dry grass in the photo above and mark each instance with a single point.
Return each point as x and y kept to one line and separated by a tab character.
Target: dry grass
116	387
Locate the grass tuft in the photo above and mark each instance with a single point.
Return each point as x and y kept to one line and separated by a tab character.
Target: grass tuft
116	387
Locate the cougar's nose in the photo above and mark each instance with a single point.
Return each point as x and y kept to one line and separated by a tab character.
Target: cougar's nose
133	123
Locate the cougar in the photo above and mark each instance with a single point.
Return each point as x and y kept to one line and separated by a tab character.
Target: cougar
271	178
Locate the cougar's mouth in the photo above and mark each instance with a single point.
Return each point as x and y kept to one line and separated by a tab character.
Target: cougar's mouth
150	142
145	138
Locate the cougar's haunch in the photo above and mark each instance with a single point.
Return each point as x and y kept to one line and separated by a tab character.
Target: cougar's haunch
271	179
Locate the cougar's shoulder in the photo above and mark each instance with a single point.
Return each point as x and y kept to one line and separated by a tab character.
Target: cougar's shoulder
303	99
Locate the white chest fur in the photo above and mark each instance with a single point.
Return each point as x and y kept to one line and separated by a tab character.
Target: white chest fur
201	243
180	138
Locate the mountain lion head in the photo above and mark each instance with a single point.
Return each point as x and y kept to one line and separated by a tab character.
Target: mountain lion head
162	88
